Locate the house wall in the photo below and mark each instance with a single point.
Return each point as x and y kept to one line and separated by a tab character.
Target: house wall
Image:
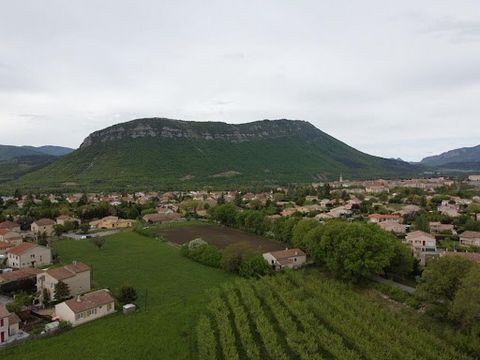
39	255
470	242
48	229
78	284
66	314
4	329
13	329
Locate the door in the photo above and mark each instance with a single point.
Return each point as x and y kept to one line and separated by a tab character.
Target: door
2	337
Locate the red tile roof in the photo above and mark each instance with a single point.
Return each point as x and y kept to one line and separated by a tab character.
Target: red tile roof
287	253
21	274
67	271
8	225
23	247
90	301
383	216
45	222
3	312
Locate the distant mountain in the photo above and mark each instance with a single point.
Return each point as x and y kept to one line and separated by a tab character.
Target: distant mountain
16	161
163	153
9	152
462	155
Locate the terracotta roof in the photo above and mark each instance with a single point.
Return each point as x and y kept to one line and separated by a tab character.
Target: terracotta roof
67	271
13	319
5	245
287	253
8	225
20	249
470	235
4	231
44	222
90	301
4	312
21	274
418	233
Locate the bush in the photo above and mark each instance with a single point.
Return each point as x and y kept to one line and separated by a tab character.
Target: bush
127	294
254	266
202	252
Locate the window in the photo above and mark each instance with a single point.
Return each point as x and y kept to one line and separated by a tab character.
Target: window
1	322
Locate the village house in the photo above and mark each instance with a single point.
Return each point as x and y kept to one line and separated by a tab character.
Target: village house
394	227
409	209
10	225
9	324
62	219
43	226
85	308
111	222
378	218
28	255
438	227
450	210
290	258
470	238
20	279
165	216
11	237
474	178
424	245
75	275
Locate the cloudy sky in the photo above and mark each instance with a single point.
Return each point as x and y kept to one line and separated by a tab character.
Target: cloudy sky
391	78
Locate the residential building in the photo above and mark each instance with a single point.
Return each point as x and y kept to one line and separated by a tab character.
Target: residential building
470	238
438	227
394	227
75	275
378	218
28	255
10	225
449	210
424	245
291	258
62	219
10	236
43	226
164	216
111	222
9	324
85	308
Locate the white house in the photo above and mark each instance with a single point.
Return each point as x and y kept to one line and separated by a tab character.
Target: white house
75	275
470	238
424	245
85	308
43	226
9	324
291	258
28	255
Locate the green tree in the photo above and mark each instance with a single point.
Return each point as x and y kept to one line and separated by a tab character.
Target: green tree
300	231
233	256
402	262
440	281
127	294
225	214
465	307
84	228
254	266
99	242
62	291
59	229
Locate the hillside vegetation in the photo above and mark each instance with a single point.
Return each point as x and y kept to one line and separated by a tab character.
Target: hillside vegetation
172	154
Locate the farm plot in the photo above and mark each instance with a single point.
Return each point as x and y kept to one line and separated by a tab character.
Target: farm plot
219	236
305	315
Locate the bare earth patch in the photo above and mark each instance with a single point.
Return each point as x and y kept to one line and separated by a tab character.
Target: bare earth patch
219	236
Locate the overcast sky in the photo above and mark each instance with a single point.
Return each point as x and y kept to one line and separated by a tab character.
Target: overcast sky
391	78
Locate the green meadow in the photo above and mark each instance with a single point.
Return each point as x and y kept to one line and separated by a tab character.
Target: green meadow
172	287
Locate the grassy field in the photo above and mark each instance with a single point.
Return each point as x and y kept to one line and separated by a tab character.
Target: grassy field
176	295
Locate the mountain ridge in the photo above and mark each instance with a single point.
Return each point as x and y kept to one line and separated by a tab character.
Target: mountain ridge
168	154
460	155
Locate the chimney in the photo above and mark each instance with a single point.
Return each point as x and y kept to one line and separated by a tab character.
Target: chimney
78	299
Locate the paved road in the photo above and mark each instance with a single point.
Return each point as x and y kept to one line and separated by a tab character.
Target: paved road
92	235
406	288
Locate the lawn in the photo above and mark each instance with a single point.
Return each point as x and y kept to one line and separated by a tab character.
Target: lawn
176	289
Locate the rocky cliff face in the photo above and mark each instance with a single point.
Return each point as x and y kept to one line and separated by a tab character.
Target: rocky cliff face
462	155
178	129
